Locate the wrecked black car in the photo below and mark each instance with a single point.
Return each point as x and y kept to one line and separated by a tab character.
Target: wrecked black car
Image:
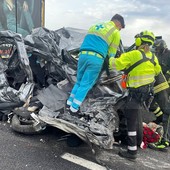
40	73
16	79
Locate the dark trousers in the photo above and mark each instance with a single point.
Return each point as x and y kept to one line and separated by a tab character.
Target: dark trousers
134	125
133	108
162	99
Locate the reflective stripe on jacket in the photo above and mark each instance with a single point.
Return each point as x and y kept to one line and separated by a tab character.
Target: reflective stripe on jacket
143	73
102	38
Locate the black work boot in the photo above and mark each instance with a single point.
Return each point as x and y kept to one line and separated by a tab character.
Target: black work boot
159	146
127	155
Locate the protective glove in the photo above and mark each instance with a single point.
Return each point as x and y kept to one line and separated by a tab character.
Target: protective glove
111	63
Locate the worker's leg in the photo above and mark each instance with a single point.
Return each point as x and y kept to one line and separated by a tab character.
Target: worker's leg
131	113
162	99
93	68
80	71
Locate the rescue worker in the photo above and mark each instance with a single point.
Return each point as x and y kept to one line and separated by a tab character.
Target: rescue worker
161	104
163	54
139	81
101	40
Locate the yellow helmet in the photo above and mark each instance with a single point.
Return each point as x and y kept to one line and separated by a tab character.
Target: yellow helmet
145	37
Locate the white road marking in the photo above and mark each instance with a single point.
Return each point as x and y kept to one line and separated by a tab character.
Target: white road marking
82	162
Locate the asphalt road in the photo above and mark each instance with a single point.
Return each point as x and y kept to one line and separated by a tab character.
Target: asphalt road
49	151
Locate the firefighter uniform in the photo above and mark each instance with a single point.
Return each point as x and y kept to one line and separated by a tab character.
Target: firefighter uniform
163	97
162	92
101	40
140	82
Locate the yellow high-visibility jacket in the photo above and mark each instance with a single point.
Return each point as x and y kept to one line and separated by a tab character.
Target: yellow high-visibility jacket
143	73
103	38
